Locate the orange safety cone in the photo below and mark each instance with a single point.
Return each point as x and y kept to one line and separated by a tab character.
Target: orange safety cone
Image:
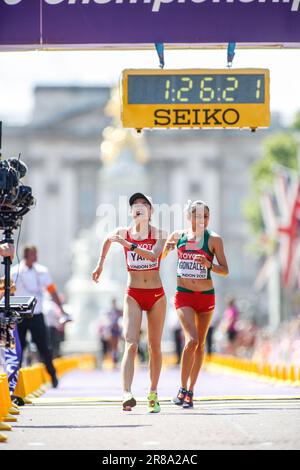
297	383
10	419
268	371
13	411
20	389
273	374
5	427
9	413
15	406
276	374
292	374
27	401
283	373
3	438
255	368
4	404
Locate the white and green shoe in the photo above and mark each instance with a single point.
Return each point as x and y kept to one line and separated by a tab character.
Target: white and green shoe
153	405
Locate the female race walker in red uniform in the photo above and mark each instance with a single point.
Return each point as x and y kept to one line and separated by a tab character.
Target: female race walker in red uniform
195	295
143	245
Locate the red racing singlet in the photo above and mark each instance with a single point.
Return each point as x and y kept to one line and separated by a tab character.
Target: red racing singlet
136	262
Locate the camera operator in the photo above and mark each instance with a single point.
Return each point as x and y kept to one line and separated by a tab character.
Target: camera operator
32	279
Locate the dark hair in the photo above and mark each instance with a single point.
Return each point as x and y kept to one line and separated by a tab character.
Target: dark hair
205	207
27	249
190	205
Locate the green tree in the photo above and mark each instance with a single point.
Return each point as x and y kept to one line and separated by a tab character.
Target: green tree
278	149
296	123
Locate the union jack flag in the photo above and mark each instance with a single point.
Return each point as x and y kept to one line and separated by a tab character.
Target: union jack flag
281	216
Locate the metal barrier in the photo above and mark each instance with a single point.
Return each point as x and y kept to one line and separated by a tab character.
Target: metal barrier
288	374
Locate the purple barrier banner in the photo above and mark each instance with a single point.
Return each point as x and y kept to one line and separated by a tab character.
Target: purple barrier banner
128	22
20	22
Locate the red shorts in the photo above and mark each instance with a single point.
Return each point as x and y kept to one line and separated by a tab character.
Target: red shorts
146	298
198	301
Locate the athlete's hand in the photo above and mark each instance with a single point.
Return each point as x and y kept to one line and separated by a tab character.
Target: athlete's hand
203	261
97	273
169	246
118	239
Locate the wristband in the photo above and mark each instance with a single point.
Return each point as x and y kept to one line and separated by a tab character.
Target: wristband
133	246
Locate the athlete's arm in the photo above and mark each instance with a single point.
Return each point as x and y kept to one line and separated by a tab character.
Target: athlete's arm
157	249
218	248
170	244
103	253
151	255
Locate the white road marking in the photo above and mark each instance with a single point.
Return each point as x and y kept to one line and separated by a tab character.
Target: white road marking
150	443
36	444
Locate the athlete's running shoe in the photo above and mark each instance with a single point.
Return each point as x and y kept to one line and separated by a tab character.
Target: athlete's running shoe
180	397
128	401
188	400
153	405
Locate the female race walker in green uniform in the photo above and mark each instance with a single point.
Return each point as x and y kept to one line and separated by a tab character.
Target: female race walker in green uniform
143	245
195	295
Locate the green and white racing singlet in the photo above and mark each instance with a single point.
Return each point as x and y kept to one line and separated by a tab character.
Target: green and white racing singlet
187	267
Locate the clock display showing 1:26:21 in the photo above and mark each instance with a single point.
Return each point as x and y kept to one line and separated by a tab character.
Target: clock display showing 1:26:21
214	89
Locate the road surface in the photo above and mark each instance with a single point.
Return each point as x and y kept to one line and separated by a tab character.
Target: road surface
231	412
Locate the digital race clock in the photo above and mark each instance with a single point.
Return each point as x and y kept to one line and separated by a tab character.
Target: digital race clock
229	98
